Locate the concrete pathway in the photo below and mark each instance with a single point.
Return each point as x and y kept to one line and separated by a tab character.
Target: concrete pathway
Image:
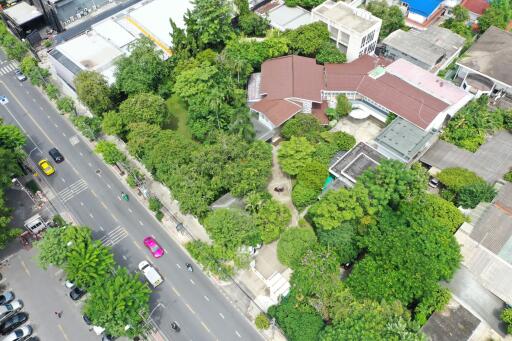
281	179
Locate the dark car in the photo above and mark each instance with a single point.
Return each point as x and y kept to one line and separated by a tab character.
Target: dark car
107	337
56	155
87	320
6	297
76	293
33	338
13	322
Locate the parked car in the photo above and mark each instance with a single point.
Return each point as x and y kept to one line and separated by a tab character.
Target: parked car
4	100
6	297
434	183
13	322
20	76
56	155
19	334
87	320
46	167
107	337
156	250
76	293
9	308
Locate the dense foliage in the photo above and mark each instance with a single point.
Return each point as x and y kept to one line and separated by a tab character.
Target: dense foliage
458	23
498	14
110	153
292	245
308	40
92	89
392	17
506	316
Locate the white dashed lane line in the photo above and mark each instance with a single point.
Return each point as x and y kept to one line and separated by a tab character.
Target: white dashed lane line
220	314
140	223
238	334
130	210
191	281
206	298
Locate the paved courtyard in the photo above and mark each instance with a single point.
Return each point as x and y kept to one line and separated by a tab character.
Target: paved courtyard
363	130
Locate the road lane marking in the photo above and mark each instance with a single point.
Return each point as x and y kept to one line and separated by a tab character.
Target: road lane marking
63	180
179	266
56	125
109	186
238	334
176	291
90	164
90	215
81	203
62	331
81	154
25	268
93	193
63	134
190	308
28	93
43	109
137	245
191	281
124	257
220	314
33	100
101	228
130	210
48	116
115	236
206	298
140	223
113	216
205	327
73	190
104	205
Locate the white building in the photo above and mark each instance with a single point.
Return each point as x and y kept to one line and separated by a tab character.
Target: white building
98	48
354	30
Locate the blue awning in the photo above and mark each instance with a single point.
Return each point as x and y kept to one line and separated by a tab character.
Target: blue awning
423	7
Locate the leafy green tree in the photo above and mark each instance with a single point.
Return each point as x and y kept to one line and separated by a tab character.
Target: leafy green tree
88	262
292	245
392	182
498	14
385	274
272	218
302	125
369	320
231	228
52	248
11	137
332	143
435	301
392	17
342	240
340	206
93	90
90	127
65	104
142	138
112	123
118	301
308	4
506	316
470	196
299	321
329	53
308	40
143	107
249	22
209	23
211	258
294	153
154	204
110	153
343	106
15	48
143	70
310	181
458	23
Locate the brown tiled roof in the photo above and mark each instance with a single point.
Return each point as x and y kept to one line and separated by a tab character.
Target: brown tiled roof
292	76
277	111
475	6
405	100
318	111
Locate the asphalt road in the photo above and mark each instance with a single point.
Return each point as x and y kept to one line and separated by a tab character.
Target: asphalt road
87	188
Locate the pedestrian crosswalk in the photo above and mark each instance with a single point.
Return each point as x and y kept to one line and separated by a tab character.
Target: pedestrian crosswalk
72	190
8	67
115	236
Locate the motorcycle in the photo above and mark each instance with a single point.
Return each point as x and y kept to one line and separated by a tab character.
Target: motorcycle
175	327
189	267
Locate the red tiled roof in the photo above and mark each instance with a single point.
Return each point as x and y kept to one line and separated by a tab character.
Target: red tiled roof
277	111
318	111
292	76
405	100
475	6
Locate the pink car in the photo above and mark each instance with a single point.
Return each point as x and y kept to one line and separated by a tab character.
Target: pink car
156	250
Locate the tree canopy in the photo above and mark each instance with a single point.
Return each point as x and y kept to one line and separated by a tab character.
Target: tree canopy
93	90
308	40
392	17
294	154
498	14
292	245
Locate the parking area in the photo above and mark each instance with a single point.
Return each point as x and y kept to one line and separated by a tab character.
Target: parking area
53	316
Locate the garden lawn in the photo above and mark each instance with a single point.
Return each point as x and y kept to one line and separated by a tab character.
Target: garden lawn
179	116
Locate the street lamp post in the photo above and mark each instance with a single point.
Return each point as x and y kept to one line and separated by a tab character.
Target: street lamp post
15	181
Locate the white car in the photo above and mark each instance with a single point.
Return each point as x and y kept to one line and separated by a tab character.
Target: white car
7	309
19	334
3	100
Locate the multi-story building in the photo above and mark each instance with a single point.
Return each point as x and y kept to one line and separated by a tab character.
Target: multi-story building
354	30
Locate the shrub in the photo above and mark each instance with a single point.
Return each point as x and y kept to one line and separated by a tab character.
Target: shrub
90	127
133	178
302	125
436	301
292	245
52	91
343	105
457	178
508	176
110	153
154	204
66	105
303	196
471	195
159	215
262	321
209	258
506	316
329	53
47	43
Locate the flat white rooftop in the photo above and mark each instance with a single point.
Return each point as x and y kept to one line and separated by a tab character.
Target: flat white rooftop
340	14
22	13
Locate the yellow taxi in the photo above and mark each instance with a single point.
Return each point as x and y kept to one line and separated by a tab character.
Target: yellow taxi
46	167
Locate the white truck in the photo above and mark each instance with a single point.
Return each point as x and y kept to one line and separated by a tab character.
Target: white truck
150	273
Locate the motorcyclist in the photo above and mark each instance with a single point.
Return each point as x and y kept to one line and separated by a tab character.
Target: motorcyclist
175	326
189	267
